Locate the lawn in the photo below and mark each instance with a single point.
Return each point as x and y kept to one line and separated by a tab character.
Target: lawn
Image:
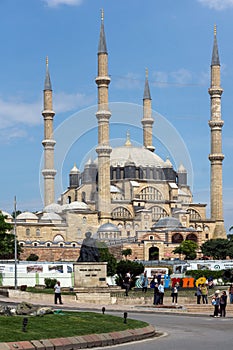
64	324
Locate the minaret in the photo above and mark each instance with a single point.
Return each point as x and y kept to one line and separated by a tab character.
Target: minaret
48	172
216	157
103	115
147	120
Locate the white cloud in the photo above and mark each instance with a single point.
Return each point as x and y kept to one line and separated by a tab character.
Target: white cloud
56	3
129	81
69	102
14	112
217	4
182	76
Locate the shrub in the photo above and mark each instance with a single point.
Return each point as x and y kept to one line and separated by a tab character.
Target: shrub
23	287
50	282
32	257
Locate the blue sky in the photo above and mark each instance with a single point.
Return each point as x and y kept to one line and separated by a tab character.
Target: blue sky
173	39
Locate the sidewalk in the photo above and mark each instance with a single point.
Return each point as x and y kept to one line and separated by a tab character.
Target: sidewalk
105	339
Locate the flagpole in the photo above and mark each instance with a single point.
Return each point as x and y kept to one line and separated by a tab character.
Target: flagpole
15	235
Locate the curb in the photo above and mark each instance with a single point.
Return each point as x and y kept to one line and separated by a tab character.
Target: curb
84	341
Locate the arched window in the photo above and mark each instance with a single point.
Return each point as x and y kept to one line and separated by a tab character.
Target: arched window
177	238
158	213
37	232
121	212
193	214
150	194
191	237
27	231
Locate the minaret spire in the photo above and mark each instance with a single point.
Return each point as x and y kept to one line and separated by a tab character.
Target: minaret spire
48	172
147	120
103	115
216	157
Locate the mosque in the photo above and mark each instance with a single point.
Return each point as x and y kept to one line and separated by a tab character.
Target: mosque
128	197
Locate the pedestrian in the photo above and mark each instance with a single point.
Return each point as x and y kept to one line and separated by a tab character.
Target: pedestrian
57	293
152	282
161	292
174	293
156	294
231	293
126	283
223	304
204	293
145	282
198	294
216	303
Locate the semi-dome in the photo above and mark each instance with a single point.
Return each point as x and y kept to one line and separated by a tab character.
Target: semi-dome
140	156
76	205
50	217
108	227
168	222
27	216
53	208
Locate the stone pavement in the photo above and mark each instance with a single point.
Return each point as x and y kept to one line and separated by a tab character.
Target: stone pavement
93	340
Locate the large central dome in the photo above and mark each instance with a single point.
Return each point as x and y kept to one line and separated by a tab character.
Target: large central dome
140	156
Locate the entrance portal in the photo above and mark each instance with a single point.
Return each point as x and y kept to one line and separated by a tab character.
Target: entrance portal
154	253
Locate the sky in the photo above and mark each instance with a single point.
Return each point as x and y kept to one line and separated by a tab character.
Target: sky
172	39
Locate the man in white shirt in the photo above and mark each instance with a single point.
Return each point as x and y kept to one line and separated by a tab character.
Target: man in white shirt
161	292
57	293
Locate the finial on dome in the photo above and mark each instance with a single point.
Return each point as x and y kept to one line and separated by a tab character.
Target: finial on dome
102	15
146	73
128	142
47	61
215	30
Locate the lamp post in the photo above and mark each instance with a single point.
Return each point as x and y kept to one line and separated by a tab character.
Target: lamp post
15	236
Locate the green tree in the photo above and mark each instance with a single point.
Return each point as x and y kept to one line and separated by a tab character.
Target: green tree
217	248
7	240
126	252
187	248
15	214
32	257
106	256
135	268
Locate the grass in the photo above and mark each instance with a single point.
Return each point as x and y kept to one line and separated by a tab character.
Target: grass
65	324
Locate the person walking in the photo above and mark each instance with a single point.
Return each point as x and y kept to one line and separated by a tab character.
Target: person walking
126	283
204	294
198	294
156	294
57	293
230	290
216	303
161	292
145	282
223	304
174	293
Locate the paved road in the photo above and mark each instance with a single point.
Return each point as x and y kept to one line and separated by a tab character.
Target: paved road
185	333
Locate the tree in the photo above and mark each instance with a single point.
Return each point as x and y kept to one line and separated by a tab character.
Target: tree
7	240
15	214
126	252
125	266
106	256
188	248
217	248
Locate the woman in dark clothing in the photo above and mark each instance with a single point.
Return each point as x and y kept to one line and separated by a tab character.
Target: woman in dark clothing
156	294
223	304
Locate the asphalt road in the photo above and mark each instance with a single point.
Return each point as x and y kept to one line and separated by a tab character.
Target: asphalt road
185	333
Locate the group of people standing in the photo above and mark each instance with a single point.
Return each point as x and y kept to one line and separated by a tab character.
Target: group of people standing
202	294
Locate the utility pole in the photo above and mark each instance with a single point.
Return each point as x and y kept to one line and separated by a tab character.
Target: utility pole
15	234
